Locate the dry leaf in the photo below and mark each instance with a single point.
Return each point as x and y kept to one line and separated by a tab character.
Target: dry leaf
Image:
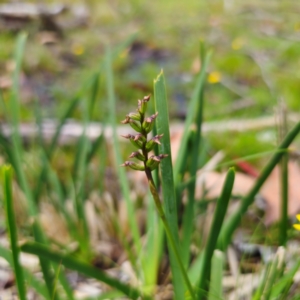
211	184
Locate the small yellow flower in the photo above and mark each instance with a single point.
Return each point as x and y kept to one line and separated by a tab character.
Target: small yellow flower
214	77
297	226
77	49
297	26
124	53
237	43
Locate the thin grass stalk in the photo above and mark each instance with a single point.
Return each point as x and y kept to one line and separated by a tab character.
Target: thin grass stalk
282	130
234	162
14	112
84	154
154	247
275	271
117	154
218	218
258	293
193	271
12	229
284	284
171	241
8	149
102	157
46	267
18	154
250	157
169	213
233	222
63	119
75	264
49	152
284	200
95	147
39	122
189	119
32	281
80	171
216	287
188	217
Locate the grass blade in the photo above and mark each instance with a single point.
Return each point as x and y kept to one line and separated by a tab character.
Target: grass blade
218	218
232	223
189	120
153	248
167	180
217	265
31	280
18	154
283	285
82	267
43	173
12	229
195	137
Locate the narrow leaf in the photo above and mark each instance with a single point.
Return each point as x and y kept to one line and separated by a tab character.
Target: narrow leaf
80	266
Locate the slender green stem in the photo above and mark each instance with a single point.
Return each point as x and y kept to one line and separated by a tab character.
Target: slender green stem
284	200
219	216
282	130
11	224
168	230
232	223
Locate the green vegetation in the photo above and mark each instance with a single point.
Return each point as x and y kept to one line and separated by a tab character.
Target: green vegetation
153	225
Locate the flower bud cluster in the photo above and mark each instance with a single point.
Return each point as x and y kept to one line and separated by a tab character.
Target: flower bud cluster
143	126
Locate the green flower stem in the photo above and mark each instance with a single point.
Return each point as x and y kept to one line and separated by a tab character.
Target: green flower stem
168	230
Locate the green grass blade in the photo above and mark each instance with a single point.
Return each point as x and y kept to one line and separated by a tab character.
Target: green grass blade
232	223
107	295
7	147
284	283
195	138
36	284
193	271
43	173
80	169
95	146
93	93
192	109
274	271
82	267
44	262
153	248
217	265
117	154
64	282
218	218
56	186
68	112
284	200
17	148
14	110
167	179
12	229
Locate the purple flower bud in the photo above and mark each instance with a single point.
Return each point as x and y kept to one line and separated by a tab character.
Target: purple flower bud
151	143
142	104
138	155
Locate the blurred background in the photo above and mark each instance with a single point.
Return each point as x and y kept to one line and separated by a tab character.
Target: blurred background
254	66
